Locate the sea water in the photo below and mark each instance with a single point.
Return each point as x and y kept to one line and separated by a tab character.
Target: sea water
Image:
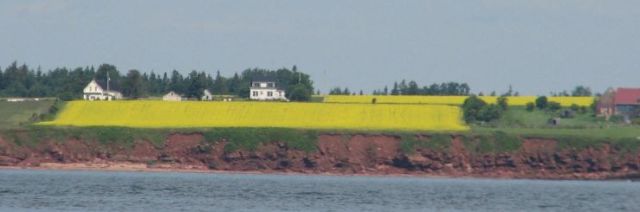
47	190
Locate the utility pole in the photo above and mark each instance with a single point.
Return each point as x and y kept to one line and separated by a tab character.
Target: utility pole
108	79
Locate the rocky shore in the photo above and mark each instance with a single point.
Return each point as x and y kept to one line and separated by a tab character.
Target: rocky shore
358	154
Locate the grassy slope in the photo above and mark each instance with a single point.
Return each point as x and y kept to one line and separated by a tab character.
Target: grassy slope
237	138
521	122
601	133
581	130
17	114
520	117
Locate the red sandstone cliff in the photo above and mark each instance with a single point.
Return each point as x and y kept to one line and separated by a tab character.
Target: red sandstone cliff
338	154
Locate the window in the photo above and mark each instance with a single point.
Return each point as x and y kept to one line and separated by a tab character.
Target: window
270	93
256	84
270	84
255	93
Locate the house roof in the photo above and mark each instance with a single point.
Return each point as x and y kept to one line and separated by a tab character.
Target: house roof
263	79
627	96
267	80
172	93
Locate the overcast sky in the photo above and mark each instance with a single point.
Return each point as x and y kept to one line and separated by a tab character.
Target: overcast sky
537	46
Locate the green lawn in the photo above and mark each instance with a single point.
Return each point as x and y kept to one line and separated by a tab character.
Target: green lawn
613	132
17	114
520	117
519	121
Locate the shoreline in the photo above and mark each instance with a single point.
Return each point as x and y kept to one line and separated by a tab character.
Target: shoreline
143	168
138	167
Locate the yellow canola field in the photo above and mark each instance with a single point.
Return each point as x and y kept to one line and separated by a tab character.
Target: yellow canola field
452	100
160	114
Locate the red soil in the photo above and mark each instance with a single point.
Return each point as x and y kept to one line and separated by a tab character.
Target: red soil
335	154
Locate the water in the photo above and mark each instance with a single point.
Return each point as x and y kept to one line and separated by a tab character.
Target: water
41	190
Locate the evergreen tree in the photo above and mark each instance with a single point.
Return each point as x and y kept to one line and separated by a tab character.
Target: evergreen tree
403	87
300	93
176	82
395	90
110	73
133	85
195	84
581	91
219	85
234	85
1	79
165	83
412	88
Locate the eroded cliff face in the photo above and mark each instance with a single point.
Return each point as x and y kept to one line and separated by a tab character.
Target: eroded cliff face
338	154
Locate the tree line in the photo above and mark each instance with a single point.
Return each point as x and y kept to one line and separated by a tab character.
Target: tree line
449	89
67	84
412	88
579	90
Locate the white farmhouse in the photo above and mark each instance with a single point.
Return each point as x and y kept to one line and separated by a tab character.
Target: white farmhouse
265	90
172	96
206	96
95	91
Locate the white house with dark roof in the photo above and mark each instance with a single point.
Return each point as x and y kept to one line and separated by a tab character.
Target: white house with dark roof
95	91
264	89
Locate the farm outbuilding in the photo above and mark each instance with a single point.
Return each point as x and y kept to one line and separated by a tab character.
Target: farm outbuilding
623	102
172	96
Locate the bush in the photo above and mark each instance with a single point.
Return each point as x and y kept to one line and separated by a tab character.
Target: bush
594	106
489	113
475	109
530	106
554	106
471	108
300	93
583	110
541	102
503	102
616	119
506	142
574	107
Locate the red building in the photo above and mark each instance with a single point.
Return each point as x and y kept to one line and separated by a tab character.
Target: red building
622	101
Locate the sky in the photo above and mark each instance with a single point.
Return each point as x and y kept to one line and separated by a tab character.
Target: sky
537	46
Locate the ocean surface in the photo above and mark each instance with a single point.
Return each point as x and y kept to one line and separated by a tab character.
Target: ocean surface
45	190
